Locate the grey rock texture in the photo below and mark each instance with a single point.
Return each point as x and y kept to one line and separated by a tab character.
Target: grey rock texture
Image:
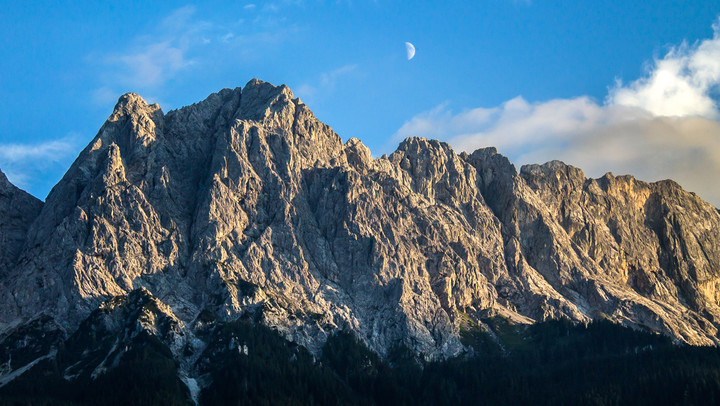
246	205
18	210
653	240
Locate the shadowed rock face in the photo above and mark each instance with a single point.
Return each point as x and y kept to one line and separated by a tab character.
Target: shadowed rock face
18	209
246	204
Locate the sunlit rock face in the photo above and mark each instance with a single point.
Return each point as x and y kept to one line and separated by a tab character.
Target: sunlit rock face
245	205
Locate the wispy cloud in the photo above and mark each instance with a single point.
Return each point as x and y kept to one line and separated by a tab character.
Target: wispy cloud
663	125
151	65
325	83
104	96
50	151
182	44
150	60
272	7
27	165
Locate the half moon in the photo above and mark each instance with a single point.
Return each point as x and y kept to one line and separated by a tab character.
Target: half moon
410	48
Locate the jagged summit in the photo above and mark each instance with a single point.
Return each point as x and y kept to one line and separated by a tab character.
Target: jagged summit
129	101
245	205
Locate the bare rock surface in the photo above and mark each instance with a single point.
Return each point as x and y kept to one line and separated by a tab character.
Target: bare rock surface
653	240
18	209
245	204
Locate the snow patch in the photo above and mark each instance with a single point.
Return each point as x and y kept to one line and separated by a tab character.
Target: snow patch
101	368
194	388
5	379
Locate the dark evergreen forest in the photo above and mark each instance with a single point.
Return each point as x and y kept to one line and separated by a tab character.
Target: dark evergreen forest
550	363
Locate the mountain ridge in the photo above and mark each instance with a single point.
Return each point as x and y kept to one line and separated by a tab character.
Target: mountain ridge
246	205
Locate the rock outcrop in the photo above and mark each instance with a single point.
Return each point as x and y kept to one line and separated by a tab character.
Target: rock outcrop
245	205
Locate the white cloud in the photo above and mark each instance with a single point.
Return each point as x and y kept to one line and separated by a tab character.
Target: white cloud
663	125
680	84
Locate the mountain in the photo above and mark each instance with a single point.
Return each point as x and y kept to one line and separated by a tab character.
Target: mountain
245	206
18	209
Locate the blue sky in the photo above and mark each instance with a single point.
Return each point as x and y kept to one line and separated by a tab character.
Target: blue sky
608	86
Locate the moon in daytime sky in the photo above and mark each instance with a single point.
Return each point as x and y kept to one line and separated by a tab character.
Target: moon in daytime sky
410	48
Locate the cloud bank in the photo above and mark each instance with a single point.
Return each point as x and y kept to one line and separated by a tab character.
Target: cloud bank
680	84
663	125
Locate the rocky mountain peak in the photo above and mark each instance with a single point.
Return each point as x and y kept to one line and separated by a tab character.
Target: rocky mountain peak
132	103
358	155
262	100
494	170
246	205
556	176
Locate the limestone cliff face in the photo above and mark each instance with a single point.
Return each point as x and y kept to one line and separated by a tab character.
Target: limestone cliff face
246	205
654	240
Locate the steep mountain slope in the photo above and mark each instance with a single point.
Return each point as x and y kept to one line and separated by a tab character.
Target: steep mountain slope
245	205
18	209
656	239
